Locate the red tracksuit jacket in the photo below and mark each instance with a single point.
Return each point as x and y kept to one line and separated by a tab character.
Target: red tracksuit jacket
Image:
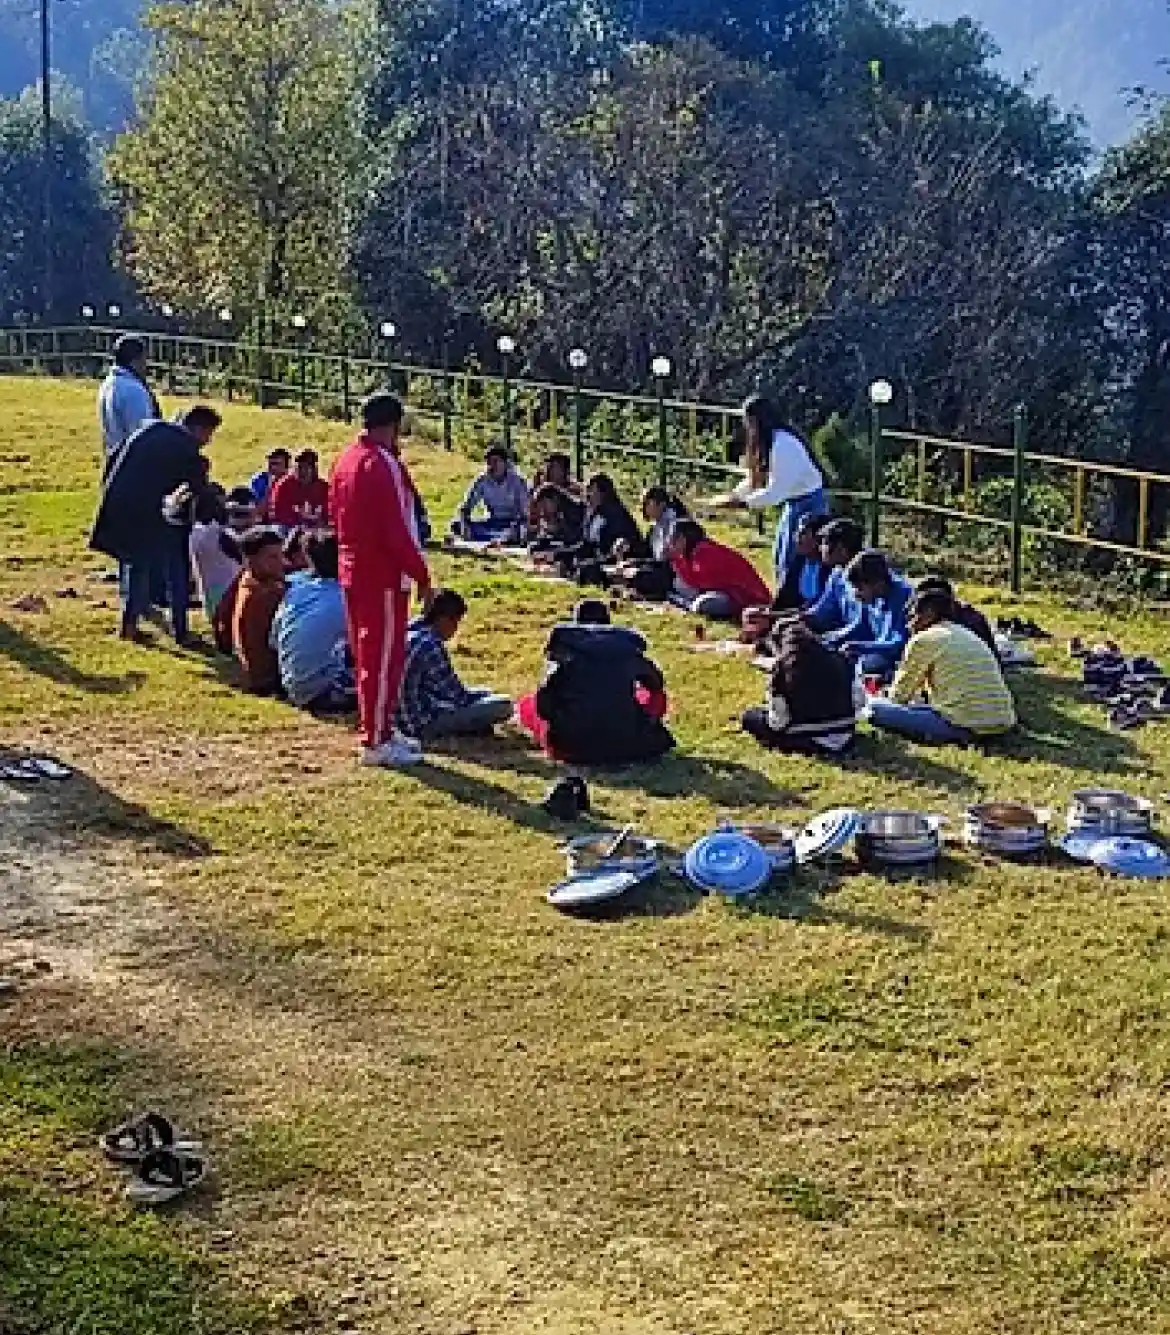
371	498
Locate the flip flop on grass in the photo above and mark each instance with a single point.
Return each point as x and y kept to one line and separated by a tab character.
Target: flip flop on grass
133	1141
164	1176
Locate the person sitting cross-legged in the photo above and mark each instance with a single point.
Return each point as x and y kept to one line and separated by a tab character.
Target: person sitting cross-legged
603	700
309	633
503	493
434	702
813	697
863	614
724	581
950	687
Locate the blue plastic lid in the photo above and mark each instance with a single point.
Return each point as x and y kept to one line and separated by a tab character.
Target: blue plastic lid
728	863
1131	857
1079	844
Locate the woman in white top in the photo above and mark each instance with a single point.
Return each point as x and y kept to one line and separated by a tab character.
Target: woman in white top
781	472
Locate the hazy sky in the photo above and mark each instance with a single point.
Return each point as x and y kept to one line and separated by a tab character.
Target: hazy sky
1084	52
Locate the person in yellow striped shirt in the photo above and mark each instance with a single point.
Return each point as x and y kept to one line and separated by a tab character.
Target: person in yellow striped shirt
950	687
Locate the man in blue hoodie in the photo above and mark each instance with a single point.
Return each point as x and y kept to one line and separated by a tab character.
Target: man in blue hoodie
863	613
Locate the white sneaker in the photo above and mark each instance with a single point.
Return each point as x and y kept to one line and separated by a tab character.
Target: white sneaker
410	743
391	755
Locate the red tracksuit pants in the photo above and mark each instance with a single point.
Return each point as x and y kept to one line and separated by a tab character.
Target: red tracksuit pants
377	618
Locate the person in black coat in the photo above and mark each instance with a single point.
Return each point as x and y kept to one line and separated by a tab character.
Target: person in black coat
148	469
813	697
602	700
607	524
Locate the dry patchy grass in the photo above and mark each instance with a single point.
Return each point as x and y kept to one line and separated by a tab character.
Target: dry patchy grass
859	1105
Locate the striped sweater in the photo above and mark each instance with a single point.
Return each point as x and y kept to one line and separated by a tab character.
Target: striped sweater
959	676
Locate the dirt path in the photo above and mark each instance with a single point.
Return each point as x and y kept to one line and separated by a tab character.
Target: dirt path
335	1177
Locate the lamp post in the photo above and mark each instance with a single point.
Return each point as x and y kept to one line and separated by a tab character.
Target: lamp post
114	311
506	346
661	368
225	317
167	311
578	361
387	332
301	324
881	394
46	164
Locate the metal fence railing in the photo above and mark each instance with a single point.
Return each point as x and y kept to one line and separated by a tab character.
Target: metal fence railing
1009	491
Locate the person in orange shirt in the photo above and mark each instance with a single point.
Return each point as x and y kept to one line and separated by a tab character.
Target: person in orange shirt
380	558
258	595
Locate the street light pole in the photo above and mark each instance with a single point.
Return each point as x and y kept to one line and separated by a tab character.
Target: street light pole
506	346
46	165
661	368
881	394
578	361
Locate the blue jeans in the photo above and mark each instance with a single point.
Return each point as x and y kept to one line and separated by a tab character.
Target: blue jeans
136	586
792	512
920	723
175	564
479	715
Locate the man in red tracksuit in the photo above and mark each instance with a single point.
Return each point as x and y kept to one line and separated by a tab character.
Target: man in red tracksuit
372	500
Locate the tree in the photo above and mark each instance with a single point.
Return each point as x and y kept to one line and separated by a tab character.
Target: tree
83	228
241	181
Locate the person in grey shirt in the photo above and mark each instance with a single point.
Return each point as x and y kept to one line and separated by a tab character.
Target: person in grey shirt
503	493
125	400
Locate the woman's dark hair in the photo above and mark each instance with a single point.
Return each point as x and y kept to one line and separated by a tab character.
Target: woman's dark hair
604	484
562	461
806	671
201	418
591	612
660	496
549	491
814	524
241	496
446	603
934	584
934	602
763	411
497	452
210	507
846	533
691	534
256	539
321	549
869	568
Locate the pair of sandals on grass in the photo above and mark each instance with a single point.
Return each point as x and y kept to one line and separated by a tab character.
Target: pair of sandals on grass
164	1164
32	769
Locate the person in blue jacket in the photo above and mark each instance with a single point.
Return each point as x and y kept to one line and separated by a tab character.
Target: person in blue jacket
863	613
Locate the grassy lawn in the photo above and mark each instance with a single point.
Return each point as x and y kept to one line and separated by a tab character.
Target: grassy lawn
433	1105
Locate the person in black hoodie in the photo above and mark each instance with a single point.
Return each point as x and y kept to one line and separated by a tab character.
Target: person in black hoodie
813	697
151	466
652	577
558	518
607	523
603	700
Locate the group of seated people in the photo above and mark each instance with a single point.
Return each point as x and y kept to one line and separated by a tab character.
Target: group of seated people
846	635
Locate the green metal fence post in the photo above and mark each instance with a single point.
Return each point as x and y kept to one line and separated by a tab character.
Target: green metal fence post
346	406
1019	445
448	438
875	475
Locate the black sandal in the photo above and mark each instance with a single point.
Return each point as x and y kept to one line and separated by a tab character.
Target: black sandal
163	1176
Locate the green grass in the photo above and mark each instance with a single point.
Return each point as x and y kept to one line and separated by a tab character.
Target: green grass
857	1105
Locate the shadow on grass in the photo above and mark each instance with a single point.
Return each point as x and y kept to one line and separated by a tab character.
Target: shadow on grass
45	662
80	807
881	753
1049	734
725	783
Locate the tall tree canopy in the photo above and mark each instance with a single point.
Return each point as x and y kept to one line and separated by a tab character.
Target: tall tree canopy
240	179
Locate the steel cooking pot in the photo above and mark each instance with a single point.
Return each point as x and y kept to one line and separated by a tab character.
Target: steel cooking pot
898	838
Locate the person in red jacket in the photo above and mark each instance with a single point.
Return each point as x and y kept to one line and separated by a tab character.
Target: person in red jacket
379	558
300	499
725	581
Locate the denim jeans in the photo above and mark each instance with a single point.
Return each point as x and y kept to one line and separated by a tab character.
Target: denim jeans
136	586
920	723
479	716
791	513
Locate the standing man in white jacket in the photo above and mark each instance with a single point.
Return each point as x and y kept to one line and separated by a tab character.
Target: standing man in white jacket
125	400
781	471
